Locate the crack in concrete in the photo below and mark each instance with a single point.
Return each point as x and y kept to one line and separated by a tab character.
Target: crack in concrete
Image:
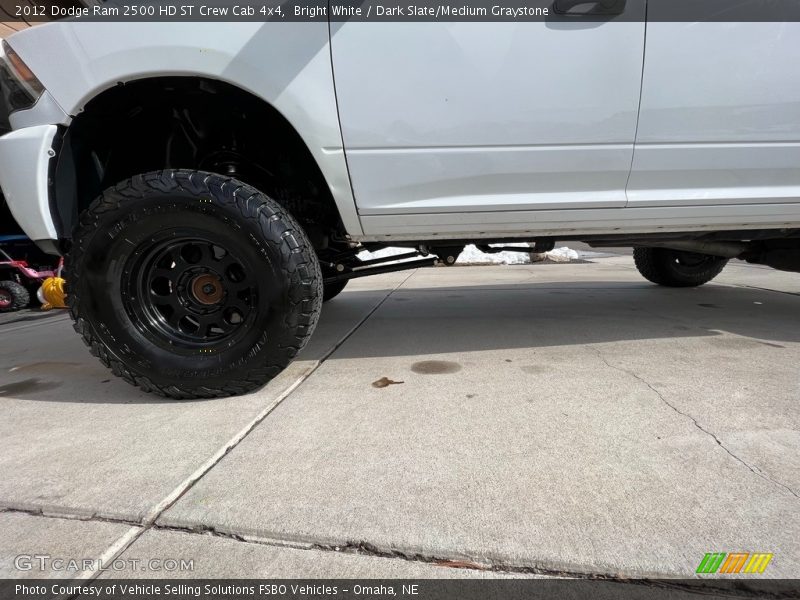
129	538
464	562
360	548
461	561
753	469
202	529
364	548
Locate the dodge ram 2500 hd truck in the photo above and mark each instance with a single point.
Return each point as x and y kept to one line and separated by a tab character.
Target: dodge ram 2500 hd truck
212	184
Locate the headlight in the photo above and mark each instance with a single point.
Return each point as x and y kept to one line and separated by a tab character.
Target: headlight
20	86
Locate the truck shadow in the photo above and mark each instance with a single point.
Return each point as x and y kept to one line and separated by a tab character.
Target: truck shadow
495	317
453	319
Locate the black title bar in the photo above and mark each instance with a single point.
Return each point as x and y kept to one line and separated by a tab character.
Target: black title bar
408	589
552	11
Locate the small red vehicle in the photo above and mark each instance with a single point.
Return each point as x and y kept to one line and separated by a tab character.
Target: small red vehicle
19	280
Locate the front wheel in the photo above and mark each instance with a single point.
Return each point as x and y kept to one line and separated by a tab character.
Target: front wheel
676	268
192	285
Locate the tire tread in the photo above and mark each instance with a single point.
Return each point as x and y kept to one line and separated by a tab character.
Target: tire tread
655	265
275	223
20	297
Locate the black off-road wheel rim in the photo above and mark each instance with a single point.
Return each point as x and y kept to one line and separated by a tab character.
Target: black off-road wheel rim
6	299
190	292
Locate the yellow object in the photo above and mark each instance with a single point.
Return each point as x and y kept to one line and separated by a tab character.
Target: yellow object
52	293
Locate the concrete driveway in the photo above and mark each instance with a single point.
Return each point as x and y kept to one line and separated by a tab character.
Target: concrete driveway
546	419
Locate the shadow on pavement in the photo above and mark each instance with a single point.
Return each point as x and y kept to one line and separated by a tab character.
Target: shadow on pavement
433	320
481	318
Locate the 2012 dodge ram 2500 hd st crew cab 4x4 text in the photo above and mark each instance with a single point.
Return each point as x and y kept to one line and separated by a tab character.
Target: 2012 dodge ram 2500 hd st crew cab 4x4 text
212	184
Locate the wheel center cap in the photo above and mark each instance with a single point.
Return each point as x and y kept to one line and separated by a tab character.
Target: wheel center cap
207	289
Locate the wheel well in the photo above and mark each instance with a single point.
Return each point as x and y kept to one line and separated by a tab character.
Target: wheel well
191	123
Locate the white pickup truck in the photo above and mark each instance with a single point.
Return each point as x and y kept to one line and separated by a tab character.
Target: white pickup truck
211	184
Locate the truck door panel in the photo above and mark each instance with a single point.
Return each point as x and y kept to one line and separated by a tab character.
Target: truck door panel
468	117
720	113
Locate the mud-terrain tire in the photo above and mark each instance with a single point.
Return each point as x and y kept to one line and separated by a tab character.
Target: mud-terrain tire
192	285
13	296
675	268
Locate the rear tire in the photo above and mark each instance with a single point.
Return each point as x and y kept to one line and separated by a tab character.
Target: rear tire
675	268
331	290
13	296
192	285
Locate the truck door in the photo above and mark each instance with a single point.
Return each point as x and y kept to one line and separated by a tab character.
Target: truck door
720	115
455	117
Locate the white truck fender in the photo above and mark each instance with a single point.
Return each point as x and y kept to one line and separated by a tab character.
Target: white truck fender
287	65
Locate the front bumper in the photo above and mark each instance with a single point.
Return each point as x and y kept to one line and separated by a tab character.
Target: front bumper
29	141
27	159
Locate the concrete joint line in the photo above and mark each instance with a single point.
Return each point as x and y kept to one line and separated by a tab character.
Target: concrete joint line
366	549
711	434
273	542
763	289
56	514
463	562
136	531
360	548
